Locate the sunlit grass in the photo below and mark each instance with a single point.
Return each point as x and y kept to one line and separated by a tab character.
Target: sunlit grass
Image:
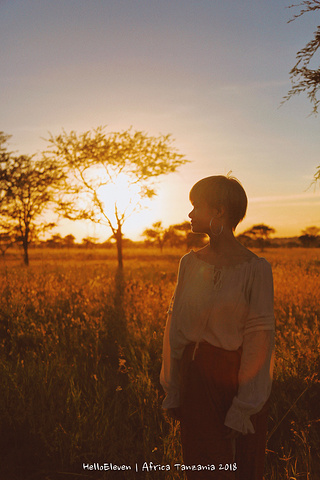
80	355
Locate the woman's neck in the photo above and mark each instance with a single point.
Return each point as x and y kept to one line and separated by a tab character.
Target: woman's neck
223	242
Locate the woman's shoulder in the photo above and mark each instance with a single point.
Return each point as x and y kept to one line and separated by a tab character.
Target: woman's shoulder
183	263
245	254
247	257
240	256
261	271
257	263
186	259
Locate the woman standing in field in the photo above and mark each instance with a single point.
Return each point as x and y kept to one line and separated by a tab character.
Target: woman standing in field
219	342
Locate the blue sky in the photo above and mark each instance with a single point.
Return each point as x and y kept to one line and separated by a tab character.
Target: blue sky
211	73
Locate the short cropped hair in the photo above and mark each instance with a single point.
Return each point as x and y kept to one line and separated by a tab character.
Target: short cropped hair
220	191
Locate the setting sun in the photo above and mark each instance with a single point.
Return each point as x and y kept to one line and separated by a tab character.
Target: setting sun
121	197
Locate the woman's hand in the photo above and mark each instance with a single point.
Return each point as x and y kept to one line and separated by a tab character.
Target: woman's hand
231	434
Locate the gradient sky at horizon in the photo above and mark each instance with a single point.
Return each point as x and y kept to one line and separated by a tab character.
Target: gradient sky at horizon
211	73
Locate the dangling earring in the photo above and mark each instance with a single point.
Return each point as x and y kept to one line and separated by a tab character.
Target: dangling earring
215	234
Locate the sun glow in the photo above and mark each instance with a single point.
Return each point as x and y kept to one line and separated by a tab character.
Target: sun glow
121	198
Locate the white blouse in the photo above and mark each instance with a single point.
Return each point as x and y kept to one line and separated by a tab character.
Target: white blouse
228	307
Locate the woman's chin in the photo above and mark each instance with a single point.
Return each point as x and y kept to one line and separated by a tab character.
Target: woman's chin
195	229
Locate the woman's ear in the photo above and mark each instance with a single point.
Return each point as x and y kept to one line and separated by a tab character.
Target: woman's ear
220	211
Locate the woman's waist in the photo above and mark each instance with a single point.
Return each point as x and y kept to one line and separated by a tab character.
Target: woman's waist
207	348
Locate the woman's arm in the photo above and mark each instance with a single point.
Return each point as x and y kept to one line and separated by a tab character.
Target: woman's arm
255	380
170	370
255	374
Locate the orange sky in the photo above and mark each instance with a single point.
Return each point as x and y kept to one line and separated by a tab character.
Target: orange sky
212	74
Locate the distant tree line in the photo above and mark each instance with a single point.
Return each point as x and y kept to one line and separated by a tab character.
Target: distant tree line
258	236
310	237
178	235
174	236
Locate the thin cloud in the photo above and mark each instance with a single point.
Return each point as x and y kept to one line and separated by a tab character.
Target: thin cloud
255	85
286	198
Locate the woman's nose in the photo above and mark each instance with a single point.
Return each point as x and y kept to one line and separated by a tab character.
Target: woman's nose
190	214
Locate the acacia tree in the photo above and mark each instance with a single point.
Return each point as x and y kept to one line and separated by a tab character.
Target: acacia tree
28	187
189	238
260	234
175	235
95	160
89	242
69	240
310	236
159	235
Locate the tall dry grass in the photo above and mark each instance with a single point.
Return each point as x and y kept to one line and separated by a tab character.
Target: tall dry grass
80	355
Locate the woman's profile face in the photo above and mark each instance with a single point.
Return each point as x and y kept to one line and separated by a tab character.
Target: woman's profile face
201	216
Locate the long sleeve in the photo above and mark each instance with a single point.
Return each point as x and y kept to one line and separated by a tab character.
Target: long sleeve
255	374
169	376
255	380
170	370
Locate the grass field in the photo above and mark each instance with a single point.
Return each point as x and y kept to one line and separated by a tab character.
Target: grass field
80	356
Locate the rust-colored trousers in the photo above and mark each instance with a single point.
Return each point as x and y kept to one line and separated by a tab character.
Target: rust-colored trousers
209	383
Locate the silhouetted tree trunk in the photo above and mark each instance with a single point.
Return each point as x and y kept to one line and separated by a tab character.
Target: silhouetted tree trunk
118	237
25	244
